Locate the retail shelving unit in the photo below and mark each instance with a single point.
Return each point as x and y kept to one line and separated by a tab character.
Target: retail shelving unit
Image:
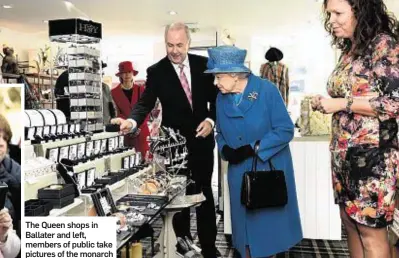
82	58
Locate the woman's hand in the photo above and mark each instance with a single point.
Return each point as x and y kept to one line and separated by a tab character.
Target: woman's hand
329	106
236	156
315	102
5	224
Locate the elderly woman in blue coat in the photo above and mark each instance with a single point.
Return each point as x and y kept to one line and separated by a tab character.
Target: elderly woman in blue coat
249	109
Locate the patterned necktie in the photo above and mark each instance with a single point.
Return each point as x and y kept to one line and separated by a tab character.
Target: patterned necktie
185	85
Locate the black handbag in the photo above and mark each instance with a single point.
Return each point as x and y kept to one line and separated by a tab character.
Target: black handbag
263	189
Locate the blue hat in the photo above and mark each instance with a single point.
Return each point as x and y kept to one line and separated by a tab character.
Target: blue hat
227	59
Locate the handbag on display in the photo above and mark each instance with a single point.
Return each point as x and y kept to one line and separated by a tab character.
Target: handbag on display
313	123
263	189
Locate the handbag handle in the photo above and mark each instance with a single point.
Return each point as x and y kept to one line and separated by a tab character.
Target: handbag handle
255	159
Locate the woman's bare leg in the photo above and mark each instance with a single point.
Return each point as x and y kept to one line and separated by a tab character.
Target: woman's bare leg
375	241
354	243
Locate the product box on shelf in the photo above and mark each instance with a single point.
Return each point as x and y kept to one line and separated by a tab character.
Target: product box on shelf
103	202
37	167
36	207
91	186
59	195
56	191
81	180
62	202
120	174
53	154
106	180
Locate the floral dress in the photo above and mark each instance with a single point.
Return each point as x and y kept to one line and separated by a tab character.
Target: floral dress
364	149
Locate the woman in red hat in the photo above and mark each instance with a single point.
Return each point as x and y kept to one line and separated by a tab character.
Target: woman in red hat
125	96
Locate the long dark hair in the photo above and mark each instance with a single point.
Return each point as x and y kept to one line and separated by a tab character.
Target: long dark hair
372	19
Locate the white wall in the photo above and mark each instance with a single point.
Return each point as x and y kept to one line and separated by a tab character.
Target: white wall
137	49
22	42
204	37
393	6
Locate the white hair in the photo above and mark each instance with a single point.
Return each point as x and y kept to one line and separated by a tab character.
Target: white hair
240	75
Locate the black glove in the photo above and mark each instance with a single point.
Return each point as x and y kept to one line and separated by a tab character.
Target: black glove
228	152
235	156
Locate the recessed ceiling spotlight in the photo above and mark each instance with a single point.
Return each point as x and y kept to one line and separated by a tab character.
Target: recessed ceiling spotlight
68	5
172	12
7	6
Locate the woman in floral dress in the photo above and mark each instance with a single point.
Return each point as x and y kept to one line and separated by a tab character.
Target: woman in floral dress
364	90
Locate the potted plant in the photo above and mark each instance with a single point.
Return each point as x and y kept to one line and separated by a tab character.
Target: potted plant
43	59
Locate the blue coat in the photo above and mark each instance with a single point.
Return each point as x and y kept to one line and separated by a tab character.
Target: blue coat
272	230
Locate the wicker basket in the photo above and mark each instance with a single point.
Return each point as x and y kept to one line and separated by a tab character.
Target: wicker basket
313	123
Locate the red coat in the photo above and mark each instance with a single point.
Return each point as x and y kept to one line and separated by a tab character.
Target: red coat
123	111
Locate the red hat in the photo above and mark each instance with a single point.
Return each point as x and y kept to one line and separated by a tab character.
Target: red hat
125	67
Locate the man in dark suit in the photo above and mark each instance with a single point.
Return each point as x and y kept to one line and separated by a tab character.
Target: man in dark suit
187	97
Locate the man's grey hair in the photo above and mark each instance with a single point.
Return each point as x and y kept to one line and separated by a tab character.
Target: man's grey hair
178	26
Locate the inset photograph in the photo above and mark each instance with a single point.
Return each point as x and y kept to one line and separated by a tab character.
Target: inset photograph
10	169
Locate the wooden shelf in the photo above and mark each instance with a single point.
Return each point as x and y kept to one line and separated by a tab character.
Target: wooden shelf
47	85
62	211
10	75
41	76
43	82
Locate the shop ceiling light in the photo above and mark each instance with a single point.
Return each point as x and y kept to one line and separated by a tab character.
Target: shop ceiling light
172	12
45	21
68	5
7	6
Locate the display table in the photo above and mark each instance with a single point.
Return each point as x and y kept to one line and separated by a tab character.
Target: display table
319	215
167	239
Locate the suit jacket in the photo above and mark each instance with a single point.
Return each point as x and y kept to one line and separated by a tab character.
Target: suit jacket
123	108
163	83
